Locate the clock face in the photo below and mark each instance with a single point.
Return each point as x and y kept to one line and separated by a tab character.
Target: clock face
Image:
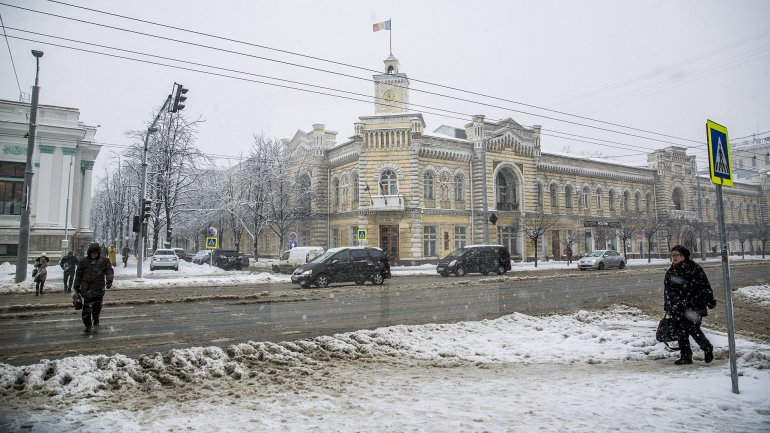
389	95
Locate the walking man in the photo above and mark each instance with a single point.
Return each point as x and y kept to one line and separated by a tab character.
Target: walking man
69	263
125	253
93	275
568	251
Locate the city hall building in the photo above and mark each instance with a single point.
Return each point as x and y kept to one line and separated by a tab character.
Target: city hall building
419	195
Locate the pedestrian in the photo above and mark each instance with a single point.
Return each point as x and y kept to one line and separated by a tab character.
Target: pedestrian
125	253
93	275
686	296
112	253
41	265
69	263
103	251
568	251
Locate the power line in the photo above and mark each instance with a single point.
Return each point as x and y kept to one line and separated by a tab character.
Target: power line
348	75
11	55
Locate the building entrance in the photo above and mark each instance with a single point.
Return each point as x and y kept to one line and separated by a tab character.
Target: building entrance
389	242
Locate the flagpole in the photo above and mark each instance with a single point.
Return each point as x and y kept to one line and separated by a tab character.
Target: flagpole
391	36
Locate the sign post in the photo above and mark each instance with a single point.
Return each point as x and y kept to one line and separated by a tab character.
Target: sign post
722	174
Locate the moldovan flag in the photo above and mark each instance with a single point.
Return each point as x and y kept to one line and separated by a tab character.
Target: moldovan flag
385	25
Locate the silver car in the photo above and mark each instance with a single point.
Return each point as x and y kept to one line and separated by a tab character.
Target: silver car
164	259
602	259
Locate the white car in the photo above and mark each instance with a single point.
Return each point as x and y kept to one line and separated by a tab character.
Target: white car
164	259
602	259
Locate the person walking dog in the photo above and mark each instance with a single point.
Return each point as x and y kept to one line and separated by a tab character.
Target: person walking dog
68	264
687	296
93	275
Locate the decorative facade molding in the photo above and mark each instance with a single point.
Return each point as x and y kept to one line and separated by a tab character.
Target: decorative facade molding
14	150
46	149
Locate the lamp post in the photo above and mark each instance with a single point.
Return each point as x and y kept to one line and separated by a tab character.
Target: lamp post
65	243
23	250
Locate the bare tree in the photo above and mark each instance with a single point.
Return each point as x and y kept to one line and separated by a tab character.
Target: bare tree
629	225
761	232
536	225
650	226
741	233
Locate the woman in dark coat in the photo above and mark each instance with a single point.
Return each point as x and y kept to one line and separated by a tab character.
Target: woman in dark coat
686	296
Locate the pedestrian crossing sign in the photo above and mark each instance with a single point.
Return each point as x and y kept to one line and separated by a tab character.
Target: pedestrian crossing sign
719	154
361	235
211	243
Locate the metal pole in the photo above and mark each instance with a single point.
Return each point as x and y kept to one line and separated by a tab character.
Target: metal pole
728	294
700	217
22	255
67	208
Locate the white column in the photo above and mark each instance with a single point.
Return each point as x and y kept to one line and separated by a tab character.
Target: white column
86	170
45	196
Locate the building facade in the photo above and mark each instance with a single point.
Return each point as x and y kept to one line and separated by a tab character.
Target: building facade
63	160
420	195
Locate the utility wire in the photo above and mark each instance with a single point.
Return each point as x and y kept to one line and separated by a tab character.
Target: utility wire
348	75
11	55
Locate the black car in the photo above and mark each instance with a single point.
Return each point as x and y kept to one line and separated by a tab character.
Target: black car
229	259
342	265
483	259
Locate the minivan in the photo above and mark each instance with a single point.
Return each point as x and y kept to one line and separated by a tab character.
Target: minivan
482	259
294	257
342	265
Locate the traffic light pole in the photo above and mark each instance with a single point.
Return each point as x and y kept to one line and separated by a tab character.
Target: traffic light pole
143	189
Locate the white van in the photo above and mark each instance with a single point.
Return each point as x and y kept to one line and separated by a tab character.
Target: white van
296	257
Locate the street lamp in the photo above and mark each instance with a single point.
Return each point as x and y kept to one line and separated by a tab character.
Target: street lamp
23	250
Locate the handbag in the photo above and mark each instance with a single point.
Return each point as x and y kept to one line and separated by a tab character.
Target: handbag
667	331
77	301
34	273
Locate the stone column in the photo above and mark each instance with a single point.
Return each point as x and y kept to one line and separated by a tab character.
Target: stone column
86	172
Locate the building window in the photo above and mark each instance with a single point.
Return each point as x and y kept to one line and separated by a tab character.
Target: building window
507	238
461	238
585	197
568	197
598	198
355	187
539	193
354	236
648	203
625	201
677	199
10	197
335	238
429	240
637	202
336	189
554	197
9	250
428	186
612	200
459	188
388	183
502	189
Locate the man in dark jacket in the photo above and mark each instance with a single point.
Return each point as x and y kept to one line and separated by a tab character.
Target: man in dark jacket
686	296
93	275
69	263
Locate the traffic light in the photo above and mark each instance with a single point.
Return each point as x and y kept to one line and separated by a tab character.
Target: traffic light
135	226
146	208
179	98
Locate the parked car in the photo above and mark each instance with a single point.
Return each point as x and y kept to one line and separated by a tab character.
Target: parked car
229	259
182	254
475	258
342	265
201	257
165	258
297	256
602	259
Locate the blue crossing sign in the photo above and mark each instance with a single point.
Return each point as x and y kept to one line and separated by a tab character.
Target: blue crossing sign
211	243
361	235
719	154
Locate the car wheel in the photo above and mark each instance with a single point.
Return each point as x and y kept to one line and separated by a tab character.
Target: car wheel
275	269
151	268
601	266
622	265
304	285
377	279
460	272
176	268
500	270
322	281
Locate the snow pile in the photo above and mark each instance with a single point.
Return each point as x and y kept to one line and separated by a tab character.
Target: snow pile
756	294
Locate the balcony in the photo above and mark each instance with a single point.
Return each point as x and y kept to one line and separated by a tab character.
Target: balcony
684	214
387	203
501	206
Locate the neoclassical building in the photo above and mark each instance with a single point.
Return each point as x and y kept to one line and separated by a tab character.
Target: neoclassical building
419	195
65	151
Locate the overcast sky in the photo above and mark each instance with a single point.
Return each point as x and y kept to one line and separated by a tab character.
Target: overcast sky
658	66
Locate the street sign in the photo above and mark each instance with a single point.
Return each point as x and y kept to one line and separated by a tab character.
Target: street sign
719	154
211	243
361	235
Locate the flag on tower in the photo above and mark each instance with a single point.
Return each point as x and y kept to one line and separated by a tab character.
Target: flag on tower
385	25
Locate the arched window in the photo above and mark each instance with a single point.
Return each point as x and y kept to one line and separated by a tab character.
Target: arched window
554	197
648	202
539	194
612	200
598	198
355	187
388	183
637	202
568	197
625	201
585	197
427	185
677	199
336	189
459	188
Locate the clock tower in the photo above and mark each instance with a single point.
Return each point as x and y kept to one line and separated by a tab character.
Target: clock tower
391	89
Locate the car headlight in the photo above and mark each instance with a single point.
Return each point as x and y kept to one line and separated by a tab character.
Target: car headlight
452	263
307	273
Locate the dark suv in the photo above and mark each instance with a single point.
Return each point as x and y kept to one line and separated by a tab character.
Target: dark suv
230	259
341	265
475	258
